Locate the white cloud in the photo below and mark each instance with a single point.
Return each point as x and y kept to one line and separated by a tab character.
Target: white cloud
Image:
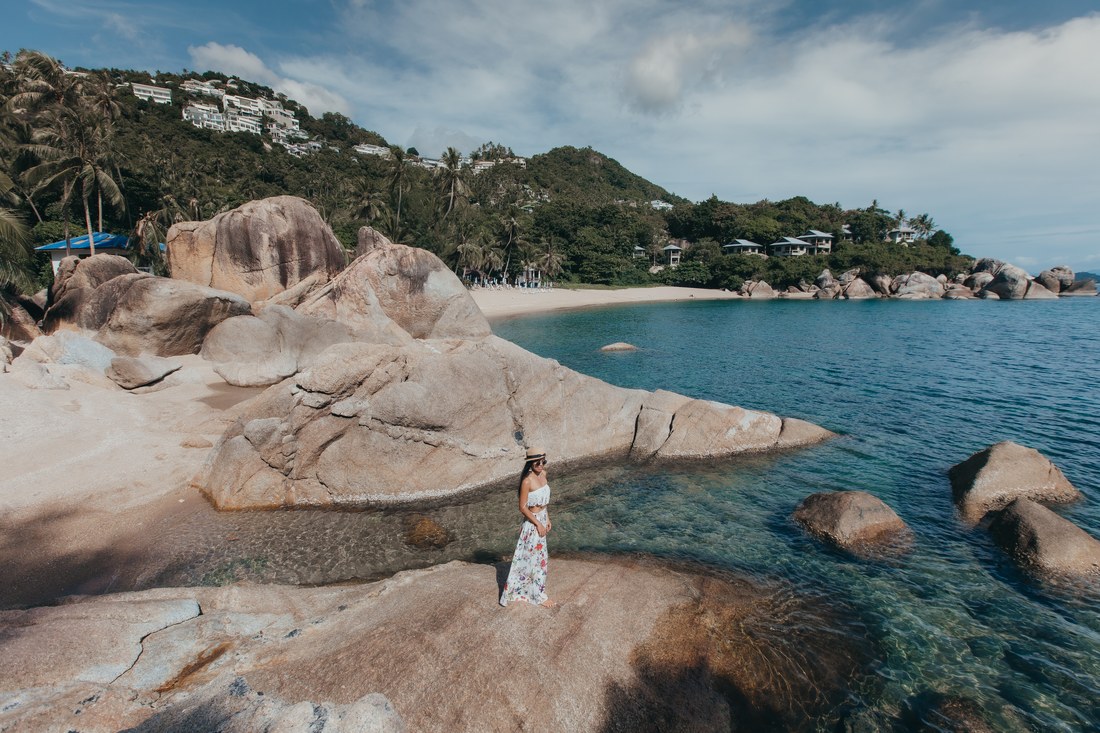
235	60
991	132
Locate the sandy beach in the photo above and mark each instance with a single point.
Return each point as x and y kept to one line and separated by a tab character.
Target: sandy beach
499	304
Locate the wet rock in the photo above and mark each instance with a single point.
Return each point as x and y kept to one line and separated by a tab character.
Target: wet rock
851	520
1040	540
619	346
988	295
934	712
130	372
995	476
425	533
257	250
916	286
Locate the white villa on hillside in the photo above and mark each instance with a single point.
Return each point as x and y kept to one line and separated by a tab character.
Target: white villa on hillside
902	234
368	149
821	241
150	93
789	247
200	87
660	205
207	116
743	247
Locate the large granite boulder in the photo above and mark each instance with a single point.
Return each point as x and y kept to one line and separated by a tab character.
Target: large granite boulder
1040	540
916	286
16	322
848	276
987	264
881	284
1013	283
858	289
372	423
995	476
1056	279
160	316
851	520
133	312
1081	287
131	372
978	280
74	286
757	290
825	279
257	250
260	350
393	292
635	646
831	292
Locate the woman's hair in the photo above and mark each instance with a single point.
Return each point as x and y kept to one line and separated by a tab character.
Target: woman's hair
527	468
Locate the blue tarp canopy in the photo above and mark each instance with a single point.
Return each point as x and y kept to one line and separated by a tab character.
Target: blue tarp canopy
102	241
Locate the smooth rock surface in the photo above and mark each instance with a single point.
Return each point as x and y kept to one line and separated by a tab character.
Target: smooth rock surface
1056	279
410	287
1040	540
130	372
619	346
379	424
995	476
851	520
632	645
858	289
257	250
1013	283
915	286
757	290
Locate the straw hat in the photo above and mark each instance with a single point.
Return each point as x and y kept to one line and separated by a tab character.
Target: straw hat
534	454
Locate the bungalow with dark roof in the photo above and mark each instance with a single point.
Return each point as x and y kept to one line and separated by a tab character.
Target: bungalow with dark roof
672	254
901	235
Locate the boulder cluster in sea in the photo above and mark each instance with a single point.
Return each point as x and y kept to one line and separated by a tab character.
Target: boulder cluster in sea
1000	486
989	279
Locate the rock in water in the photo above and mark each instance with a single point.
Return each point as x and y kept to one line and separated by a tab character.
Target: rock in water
851	520
425	533
619	346
995	476
1013	283
1040	540
858	289
916	286
257	250
1056	279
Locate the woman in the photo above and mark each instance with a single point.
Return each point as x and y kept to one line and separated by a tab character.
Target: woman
527	578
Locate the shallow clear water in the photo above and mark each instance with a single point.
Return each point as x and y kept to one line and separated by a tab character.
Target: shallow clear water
913	388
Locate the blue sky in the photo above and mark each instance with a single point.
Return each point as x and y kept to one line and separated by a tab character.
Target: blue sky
986	115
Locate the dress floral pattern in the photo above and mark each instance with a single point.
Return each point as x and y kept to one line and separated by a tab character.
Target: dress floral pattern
527	577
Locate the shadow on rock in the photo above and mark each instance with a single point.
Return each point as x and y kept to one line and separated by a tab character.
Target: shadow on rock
740	657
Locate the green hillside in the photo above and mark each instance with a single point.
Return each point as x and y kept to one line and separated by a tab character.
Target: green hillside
80	151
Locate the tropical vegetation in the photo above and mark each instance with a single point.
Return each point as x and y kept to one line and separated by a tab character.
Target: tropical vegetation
80	153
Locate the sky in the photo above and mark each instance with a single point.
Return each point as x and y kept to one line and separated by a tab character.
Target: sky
985	115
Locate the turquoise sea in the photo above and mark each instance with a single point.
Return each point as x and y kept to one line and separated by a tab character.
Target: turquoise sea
910	387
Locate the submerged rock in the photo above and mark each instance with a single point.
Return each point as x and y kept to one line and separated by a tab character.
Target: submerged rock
619	346
993	477
851	520
1040	540
425	533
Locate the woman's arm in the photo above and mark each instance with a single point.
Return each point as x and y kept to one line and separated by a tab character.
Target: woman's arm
524	490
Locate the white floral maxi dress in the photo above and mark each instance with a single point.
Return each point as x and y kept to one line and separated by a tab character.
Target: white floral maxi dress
527	577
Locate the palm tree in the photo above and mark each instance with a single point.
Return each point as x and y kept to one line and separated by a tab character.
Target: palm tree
452	186
398	180
923	225
43	83
14	255
551	259
74	149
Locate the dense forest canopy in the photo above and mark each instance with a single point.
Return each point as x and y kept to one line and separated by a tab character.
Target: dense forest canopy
79	152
